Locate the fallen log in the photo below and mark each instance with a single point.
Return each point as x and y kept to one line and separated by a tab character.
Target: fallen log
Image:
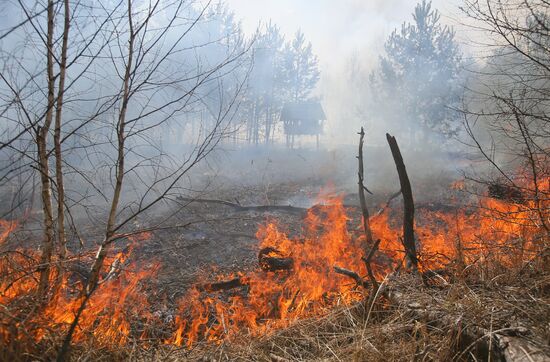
226	285
260	208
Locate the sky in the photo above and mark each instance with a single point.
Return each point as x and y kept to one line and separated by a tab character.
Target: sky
337	28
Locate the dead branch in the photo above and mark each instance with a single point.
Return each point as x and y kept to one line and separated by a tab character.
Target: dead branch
362	188
239	208
367	261
353	275
366	223
408	210
387	204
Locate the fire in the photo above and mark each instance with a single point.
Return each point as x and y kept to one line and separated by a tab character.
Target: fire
300	282
277	298
6	228
108	315
466	235
507	233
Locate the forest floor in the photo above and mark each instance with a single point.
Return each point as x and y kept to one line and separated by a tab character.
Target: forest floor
463	319
458	320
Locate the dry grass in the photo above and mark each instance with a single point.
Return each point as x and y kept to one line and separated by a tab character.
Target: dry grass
425	323
394	331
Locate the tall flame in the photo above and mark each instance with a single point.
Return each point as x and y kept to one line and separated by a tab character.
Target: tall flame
276	298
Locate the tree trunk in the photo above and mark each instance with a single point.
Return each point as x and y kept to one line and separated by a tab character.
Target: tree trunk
408	213
62	242
267	126
42	142
104	248
362	198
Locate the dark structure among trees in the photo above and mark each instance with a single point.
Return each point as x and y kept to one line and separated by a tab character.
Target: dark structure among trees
302	119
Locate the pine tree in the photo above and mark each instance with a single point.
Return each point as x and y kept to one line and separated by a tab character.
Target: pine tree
419	78
264	92
300	68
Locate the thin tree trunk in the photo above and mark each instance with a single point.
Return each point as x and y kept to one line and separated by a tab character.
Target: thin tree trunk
104	248
109	232
62	242
267	126
42	140
524	131
362	188
366	222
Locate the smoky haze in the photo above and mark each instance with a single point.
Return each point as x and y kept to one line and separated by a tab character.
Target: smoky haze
218	98
342	33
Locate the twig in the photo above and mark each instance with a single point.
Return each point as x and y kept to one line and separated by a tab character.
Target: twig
387	204
367	261
352	275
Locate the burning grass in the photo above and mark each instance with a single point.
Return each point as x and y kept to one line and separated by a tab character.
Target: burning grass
394	332
116	313
306	311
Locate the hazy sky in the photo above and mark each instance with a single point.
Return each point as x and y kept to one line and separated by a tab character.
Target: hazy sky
337	28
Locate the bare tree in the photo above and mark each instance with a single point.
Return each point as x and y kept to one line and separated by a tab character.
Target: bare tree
506	113
117	74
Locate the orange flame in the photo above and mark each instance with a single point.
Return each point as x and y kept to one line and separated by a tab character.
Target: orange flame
275	299
502	232
6	228
107	318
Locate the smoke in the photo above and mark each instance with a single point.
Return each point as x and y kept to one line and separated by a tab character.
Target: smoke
342	33
348	38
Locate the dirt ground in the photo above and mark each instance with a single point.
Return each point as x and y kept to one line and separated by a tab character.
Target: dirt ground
219	239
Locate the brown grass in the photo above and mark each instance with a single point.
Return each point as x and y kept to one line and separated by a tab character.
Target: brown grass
393	332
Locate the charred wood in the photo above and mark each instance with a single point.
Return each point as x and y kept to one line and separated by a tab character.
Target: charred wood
367	261
226	285
408	217
271	259
362	189
505	192
353	275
